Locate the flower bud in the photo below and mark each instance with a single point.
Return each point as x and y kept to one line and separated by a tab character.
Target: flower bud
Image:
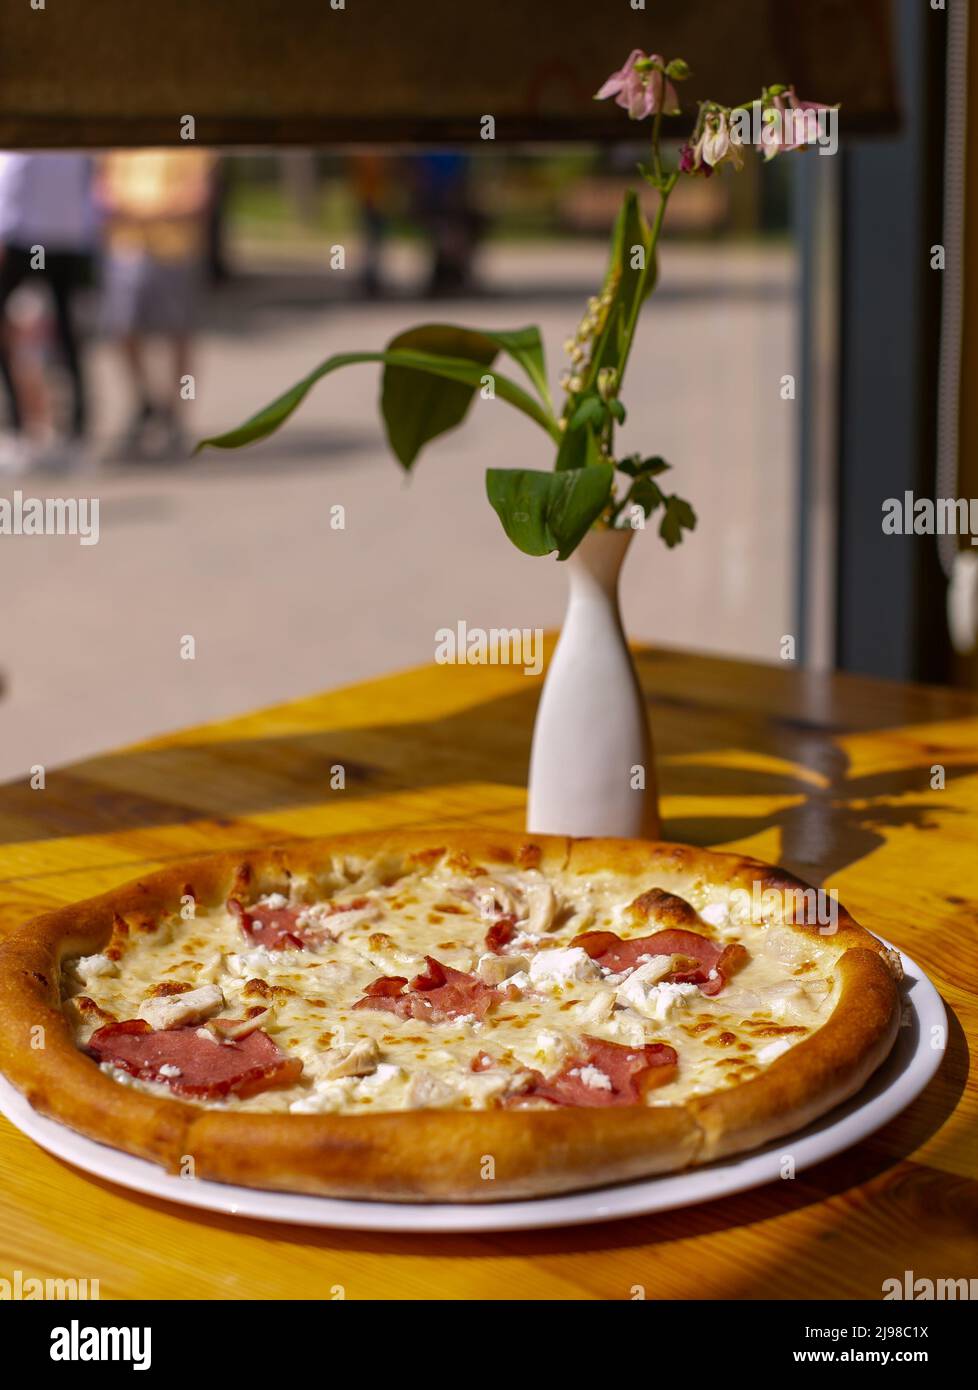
679	70
607	381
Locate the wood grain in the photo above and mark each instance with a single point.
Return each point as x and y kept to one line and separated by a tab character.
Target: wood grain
309	73
830	776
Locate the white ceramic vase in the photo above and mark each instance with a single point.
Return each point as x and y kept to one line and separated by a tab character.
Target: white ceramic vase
591	765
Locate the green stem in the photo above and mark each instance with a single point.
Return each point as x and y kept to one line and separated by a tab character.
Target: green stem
652	269
656	152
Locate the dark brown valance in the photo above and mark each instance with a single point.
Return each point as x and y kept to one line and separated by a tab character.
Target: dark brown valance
301	72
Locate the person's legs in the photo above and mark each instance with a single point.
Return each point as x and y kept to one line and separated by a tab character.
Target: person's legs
14	265
180	345
64	273
178	286
183	352
133	347
124	294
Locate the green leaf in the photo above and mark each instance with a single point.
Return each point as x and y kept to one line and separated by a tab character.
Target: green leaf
464	372
524	345
645	494
578	448
629	285
542	512
678	516
616	409
637	467
591	410
418	407
654	466
416	411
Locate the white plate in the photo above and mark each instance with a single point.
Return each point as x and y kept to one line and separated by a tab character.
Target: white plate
911	1064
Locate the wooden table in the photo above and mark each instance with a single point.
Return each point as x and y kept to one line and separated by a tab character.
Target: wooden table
831	776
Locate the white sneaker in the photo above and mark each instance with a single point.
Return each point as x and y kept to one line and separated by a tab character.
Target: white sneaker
16	455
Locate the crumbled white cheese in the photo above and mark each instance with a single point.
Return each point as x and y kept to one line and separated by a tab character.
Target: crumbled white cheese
550	969
715	914
659	1002
169	1070
634	986
119	1074
174	1010
594	1078
246	964
625	1027
520	982
273	901
551	1049
89	968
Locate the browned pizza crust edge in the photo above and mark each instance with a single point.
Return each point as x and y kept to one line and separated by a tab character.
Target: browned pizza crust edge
425	1155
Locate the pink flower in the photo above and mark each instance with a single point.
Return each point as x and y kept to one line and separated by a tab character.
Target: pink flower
790	124
640	87
715	146
687	160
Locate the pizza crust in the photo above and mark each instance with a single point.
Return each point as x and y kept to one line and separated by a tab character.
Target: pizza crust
431	1155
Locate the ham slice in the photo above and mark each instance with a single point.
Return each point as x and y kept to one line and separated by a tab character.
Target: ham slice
500	934
439	994
709	963
277	928
195	1066
607	1074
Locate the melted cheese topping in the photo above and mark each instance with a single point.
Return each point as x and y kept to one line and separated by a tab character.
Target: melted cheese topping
556	993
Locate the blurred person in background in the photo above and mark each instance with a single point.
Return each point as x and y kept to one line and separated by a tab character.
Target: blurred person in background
370	181
155	206
46	235
446	212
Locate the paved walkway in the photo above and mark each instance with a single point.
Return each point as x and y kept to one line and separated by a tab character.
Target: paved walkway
237	551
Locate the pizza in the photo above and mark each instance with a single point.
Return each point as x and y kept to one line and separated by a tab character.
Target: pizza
445	1015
